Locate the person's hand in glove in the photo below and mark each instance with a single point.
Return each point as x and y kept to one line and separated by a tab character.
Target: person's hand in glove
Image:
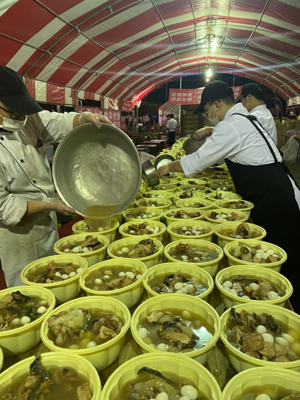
59	206
87	117
203	132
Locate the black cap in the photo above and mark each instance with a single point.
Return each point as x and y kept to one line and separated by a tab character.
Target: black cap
255	89
14	93
216	90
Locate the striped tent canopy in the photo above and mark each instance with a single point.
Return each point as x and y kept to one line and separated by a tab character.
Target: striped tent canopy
123	49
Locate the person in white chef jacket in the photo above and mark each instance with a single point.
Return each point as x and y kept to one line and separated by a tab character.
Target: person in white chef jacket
28	225
254	99
257	170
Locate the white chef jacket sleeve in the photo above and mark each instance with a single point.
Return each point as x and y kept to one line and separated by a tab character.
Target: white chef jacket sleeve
55	126
224	142
12	207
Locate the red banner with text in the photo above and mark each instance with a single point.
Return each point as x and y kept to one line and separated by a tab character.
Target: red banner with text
193	96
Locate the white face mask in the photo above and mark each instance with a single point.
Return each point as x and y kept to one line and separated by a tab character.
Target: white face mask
215	120
12	125
245	105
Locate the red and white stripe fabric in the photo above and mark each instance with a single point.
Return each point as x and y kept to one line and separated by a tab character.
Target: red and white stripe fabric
123	49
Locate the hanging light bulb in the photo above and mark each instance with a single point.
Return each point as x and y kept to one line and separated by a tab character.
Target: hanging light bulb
207	80
208	73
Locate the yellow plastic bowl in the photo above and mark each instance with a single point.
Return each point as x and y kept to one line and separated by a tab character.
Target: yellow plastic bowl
105	354
159	236
256	377
248	205
231	227
220	193
253	271
149	261
92	257
176	364
1	358
110	233
65	290
207	204
166	302
243	215
169	219
157	194
60	360
211	266
191	270
168	187
221	186
198	223
196	195
130	294
19	340
118	218
194	188
148	210
276	266
162	203
241	361
193	181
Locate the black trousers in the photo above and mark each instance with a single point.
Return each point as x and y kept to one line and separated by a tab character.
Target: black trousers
171	138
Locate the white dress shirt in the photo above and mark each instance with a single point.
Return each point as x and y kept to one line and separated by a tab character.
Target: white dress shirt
172	124
238	140
25	176
264	116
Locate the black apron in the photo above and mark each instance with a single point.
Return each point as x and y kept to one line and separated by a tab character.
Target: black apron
269	188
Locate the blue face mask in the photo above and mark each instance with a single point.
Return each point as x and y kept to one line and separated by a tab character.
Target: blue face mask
12	125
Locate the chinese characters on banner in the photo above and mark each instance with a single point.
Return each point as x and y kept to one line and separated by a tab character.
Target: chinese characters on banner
193	96
113	116
126	106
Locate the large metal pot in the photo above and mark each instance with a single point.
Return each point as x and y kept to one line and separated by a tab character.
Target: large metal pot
97	170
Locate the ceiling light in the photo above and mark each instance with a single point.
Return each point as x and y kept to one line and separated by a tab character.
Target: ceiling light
209	73
207	80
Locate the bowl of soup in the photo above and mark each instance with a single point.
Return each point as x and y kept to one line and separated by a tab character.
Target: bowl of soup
202	203
93	327
151	228
217	216
191	230
142	248
252	283
222	195
176	323
261	334
182	214
227	232
198	252
156	194
60	274
121	279
109	231
161	376
237	204
54	376
188	194
161	203
140	213
168	278
253	251
23	309
91	246
168	187
272	384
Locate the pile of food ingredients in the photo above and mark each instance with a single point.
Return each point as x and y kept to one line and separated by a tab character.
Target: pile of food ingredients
79	328
54	272
142	229
243	231
174	331
251	288
17	310
222	216
140	214
51	383
85	246
269	392
182	214
190	230
191	253
177	283
144	248
262	337
153	385
196	204
235	204
153	195
106	279
257	254
149	203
